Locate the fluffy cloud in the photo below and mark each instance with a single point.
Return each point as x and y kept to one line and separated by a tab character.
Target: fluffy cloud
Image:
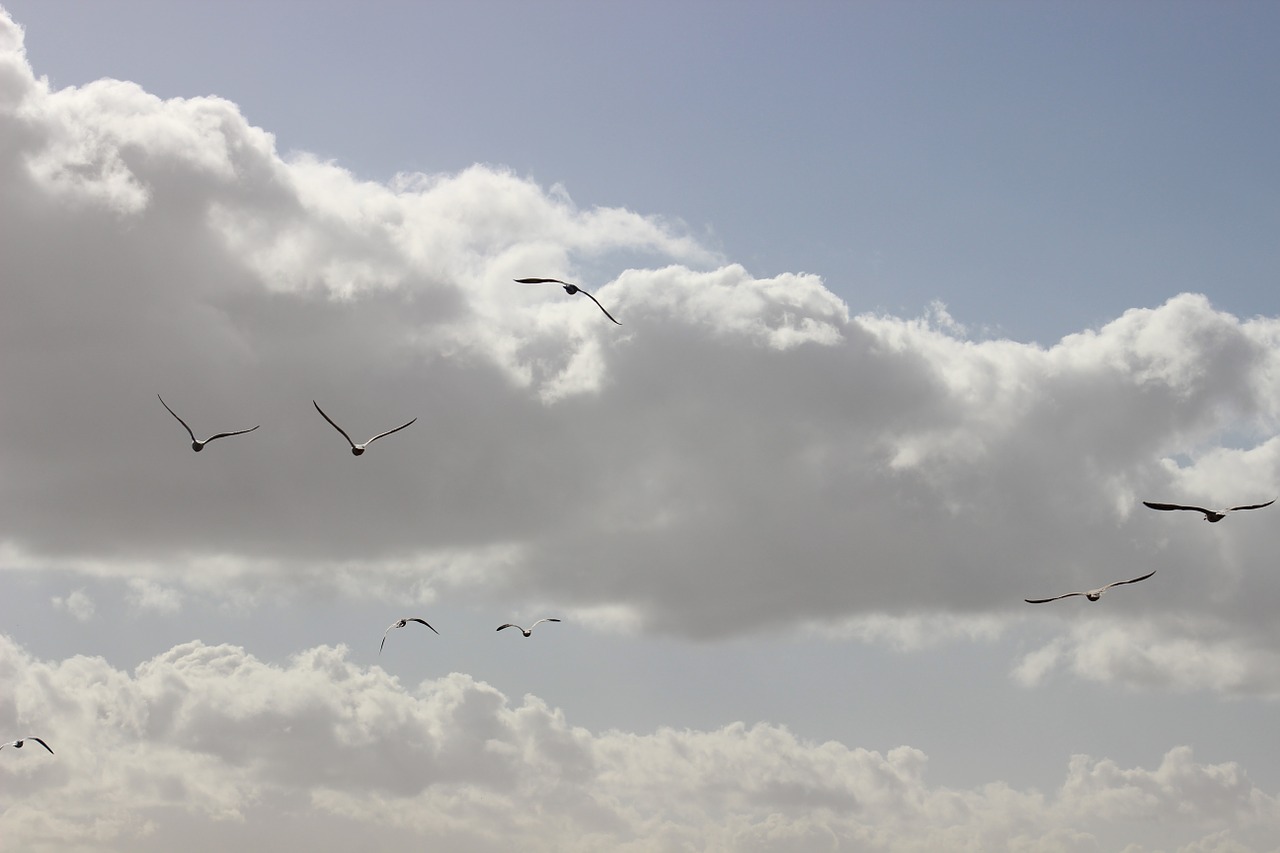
77	603
203	740
742	451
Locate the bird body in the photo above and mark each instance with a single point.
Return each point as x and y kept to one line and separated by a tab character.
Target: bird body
356	449
196	444
400	623
569	289
1210	515
17	744
1092	595
529	630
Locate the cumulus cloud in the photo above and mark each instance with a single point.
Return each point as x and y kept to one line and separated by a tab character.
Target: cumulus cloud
202	740
742	452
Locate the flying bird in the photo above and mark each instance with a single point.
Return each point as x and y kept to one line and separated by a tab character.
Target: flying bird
568	288
529	630
17	744
196	444
1210	515
400	623
1092	595
356	449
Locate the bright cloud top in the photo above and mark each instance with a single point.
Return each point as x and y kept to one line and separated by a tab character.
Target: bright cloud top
740	452
202	738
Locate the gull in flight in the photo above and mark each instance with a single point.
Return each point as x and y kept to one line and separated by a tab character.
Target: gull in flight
1092	595
568	288
17	744
400	623
356	449
1210	515
196	444
529	630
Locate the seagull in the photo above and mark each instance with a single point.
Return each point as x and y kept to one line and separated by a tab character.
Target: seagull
400	623
529	630
17	744
356	449
1092	595
196	445
568	288
1210	515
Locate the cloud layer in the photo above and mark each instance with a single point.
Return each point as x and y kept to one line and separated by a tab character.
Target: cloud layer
741	452
202	741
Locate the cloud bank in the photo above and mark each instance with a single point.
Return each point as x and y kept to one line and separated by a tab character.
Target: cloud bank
201	741
741	453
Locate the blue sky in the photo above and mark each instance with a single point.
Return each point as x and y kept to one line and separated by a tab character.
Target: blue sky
919	301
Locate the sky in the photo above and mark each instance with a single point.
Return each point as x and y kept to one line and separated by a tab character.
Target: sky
918	303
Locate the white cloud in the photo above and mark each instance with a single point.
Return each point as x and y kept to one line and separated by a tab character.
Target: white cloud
77	603
742	454
203	740
148	595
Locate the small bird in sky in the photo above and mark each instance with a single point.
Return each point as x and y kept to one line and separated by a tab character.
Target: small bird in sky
356	449
529	630
568	288
1210	515
400	623
17	744
196	444
1092	595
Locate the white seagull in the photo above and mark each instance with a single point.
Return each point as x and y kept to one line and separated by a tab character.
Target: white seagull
568	288
17	744
1210	515
400	623
529	630
196	444
1092	595
356	449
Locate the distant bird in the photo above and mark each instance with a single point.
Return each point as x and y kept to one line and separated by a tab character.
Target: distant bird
356	449
1092	595
17	744
568	288
197	445
529	630
400	623
1210	515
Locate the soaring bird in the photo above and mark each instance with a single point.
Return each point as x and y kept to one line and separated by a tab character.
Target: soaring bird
400	623
529	630
568	288
1210	515
356	449
196	444
1092	595
17	744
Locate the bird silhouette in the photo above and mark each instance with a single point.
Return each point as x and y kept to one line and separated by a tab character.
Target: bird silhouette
356	449
1092	595
529	630
569	289
1210	515
196	444
400	623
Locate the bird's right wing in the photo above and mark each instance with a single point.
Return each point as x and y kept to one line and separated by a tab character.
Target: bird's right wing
331	423
388	432
175	414
509	625
539	281
602	308
1134	580
42	743
424	622
1253	506
225	434
1177	506
1055	598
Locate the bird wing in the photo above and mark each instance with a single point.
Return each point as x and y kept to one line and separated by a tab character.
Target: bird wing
602	308
1253	506
423	621
1177	506
540	281
1055	598
509	625
175	414
10	743
540	621
225	434
332	424
388	432
42	743
1118	583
